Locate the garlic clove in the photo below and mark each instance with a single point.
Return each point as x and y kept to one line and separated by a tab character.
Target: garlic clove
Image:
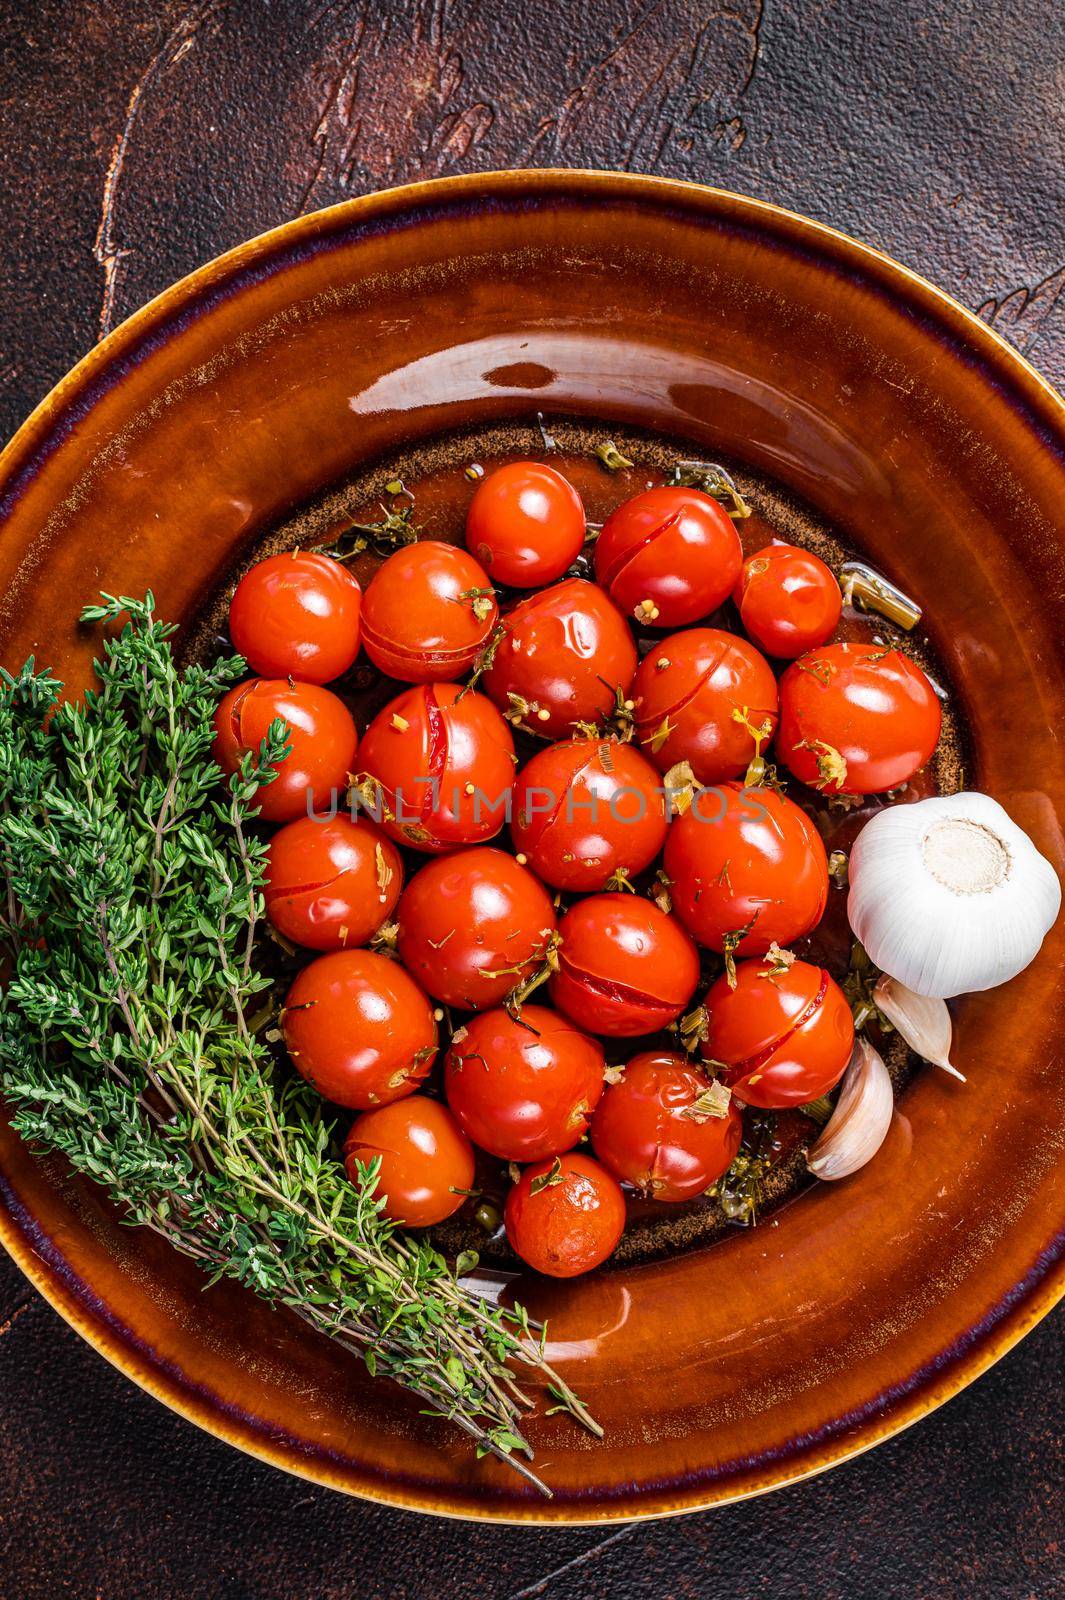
923	1021
859	1123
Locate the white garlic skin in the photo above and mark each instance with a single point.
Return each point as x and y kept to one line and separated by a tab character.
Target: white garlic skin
859	1123
949	896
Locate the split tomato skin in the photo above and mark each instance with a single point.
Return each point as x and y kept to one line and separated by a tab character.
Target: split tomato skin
524	1090
427	1162
746	857
297	615
668	557
563	653
321	734
778	1039
473	925
625	967
525	524
788	600
359	1029
442	759
428	613
586	809
647	1130
572	1223
331	881
873	710
691	692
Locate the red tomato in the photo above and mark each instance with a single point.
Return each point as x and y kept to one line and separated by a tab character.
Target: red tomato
650	1128
857	719
426	1159
778	1039
625	967
443	758
698	696
788	600
473	925
526	524
668	557
321	734
331	881
359	1029
523	1090
742	858
587	809
428	613
564	1217
563	654
297	616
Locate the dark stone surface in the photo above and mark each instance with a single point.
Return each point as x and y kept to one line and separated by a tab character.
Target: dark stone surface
137	139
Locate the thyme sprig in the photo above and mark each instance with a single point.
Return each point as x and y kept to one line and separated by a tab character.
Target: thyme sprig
129	1038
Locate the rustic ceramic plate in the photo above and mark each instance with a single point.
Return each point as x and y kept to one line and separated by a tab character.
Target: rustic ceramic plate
252	391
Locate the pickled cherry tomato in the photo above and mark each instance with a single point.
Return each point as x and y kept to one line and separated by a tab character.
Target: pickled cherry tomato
745	858
563	654
780	1037
856	719
331	881
565	1217
523	1090
668	557
296	615
359	1029
788	600
700	697
625	967
427	613
321	735
427	1162
525	524
586	810
653	1128
472	926
443	760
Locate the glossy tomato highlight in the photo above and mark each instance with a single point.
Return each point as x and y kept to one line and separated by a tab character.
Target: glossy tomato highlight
586	810
564	1217
700	697
624	966
525	524
781	1037
296	615
472	926
428	613
427	1163
655	1130
331	881
788	600
321	735
668	557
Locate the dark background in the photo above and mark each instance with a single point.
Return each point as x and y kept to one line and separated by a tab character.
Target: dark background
138	139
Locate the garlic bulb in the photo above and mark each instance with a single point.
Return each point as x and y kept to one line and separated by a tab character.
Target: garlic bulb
859	1123
923	1021
949	896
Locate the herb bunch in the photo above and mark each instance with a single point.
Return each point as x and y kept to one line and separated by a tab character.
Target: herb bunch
132	1041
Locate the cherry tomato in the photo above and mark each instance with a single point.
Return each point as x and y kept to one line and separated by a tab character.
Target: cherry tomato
472	926
426	1159
428	613
668	557
744	858
564	1217
296	615
526	524
321	734
779	1038
857	719
625	967
563	653
443	759
788	600
700	697
331	881
359	1029
651	1129
586	810
523	1090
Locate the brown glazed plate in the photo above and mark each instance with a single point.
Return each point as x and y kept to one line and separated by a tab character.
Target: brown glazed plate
836	382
